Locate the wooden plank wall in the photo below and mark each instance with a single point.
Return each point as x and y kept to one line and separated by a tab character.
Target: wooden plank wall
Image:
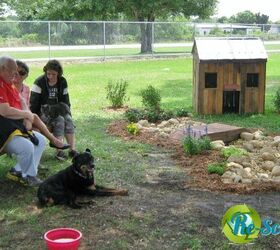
231	76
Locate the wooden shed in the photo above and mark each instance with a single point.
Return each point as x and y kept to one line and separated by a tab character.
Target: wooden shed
229	75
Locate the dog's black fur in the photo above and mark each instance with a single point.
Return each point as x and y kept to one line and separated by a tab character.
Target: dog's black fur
77	179
52	111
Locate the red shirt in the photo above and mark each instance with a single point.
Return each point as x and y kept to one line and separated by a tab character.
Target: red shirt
9	94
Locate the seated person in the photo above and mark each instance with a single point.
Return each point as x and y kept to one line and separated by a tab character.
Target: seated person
18	81
51	88
28	154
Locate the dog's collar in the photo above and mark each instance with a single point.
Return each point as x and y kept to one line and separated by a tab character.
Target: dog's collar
78	173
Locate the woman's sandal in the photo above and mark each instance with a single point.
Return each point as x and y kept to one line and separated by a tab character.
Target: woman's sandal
65	146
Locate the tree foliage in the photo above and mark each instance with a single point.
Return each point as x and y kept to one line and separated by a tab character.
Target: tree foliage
145	11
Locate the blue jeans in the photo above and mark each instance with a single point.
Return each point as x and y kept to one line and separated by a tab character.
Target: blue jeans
28	155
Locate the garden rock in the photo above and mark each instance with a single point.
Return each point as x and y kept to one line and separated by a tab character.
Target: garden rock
144	123
268	165
268	156
276	179
276	171
237	179
257	144
258	135
246	136
248	146
218	145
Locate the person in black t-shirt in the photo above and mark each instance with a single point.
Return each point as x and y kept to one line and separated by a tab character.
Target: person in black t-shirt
51	88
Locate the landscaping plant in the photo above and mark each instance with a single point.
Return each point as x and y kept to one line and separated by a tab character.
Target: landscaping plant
193	146
276	100
116	93
232	150
132	128
151	98
216	168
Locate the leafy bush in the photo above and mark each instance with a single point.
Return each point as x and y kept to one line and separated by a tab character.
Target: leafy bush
132	128
151	98
116	93
231	150
181	112
166	115
134	115
276	100
216	168
194	146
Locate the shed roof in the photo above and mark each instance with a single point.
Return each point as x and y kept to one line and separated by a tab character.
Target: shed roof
229	48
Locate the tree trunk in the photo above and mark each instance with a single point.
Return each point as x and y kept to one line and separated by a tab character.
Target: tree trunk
146	36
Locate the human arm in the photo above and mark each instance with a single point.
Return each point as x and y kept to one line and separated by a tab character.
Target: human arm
64	95
36	96
9	112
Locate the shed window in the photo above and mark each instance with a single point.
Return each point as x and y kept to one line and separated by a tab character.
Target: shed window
252	80
210	80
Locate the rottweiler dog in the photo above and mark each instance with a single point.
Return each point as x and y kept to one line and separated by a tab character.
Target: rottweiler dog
77	179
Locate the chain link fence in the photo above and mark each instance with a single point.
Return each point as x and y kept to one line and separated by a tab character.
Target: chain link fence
100	40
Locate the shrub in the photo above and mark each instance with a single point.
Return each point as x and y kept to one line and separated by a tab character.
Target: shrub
276	100
116	93
231	150
132	129
181	112
166	115
194	146
216	168
152	116
134	115
151	98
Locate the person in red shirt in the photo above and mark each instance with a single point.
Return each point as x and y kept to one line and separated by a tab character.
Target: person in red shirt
27	153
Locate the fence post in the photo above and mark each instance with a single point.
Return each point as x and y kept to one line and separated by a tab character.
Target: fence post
104	40
49	31
153	38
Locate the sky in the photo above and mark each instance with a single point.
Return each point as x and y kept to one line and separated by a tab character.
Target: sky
268	7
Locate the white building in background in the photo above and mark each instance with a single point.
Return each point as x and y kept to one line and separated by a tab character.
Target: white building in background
204	29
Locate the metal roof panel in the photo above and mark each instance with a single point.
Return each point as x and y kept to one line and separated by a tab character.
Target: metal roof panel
230	49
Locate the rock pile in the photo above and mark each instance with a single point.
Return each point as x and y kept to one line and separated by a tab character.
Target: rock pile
260	164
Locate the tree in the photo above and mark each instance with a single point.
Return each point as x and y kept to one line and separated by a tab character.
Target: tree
144	11
244	17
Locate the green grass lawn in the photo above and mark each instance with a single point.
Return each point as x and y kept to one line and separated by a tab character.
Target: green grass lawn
87	82
118	163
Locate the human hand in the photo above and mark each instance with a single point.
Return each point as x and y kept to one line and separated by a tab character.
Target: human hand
29	115
27	124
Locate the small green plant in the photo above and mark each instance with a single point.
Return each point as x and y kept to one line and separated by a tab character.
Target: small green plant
132	129
181	112
116	93
232	150
195	146
216	168
151	98
276	100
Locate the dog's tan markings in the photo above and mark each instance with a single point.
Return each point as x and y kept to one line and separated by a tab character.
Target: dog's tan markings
50	202
84	169
92	187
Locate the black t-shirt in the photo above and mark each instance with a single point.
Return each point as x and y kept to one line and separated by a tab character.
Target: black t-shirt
53	94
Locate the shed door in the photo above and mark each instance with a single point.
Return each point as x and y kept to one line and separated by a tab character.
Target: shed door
231	101
231	87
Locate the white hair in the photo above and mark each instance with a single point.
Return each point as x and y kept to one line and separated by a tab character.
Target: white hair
4	60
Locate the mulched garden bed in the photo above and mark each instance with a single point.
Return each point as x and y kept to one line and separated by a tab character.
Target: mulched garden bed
195	165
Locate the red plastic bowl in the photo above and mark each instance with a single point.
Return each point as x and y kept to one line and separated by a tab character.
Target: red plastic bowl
63	238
